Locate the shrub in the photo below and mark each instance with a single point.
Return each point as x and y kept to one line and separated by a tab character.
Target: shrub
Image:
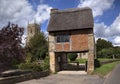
72	56
25	66
96	63
30	66
28	58
45	64
37	67
15	63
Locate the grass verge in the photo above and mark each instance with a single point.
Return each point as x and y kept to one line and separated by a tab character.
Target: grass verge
104	59
105	69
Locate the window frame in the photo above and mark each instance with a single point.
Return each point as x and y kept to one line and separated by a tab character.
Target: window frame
62	38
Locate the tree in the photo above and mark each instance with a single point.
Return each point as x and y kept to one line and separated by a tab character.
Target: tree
101	44
117	52
105	49
10	45
38	46
106	53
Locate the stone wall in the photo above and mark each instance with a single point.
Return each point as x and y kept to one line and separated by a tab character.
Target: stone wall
91	53
16	79
53	60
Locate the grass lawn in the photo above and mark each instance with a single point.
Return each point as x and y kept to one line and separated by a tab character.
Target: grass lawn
82	61
105	69
104	59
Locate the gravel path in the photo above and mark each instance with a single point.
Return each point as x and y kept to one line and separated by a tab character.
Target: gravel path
66	79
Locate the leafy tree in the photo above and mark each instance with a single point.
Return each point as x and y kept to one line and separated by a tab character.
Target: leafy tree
37	50
117	52
10	45
101	44
38	47
105	49
106	53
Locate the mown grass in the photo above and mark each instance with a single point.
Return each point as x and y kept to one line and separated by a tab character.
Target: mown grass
104	59
80	60
105	69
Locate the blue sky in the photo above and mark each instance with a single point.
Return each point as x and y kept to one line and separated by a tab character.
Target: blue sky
106	14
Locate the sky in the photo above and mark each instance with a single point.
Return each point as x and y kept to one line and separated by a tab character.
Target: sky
106	15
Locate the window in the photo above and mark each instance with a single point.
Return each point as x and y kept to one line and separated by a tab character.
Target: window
62	38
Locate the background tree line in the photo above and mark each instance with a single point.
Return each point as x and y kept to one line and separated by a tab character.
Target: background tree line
105	49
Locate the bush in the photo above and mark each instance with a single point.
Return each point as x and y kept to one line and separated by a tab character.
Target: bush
30	66
28	58
96	63
72	56
24	66
15	63
45	64
34	66
37	67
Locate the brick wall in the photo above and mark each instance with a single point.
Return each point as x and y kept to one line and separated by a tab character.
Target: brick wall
78	42
63	46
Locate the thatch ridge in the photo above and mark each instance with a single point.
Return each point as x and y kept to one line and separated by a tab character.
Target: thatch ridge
69	10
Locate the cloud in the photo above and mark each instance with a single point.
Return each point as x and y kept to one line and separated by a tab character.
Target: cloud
43	13
97	6
17	11
24	40
116	40
109	32
20	11
101	30
115	27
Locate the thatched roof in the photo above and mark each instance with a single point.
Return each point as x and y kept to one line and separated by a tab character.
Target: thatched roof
70	19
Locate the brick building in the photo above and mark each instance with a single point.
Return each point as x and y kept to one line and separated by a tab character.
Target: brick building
70	30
